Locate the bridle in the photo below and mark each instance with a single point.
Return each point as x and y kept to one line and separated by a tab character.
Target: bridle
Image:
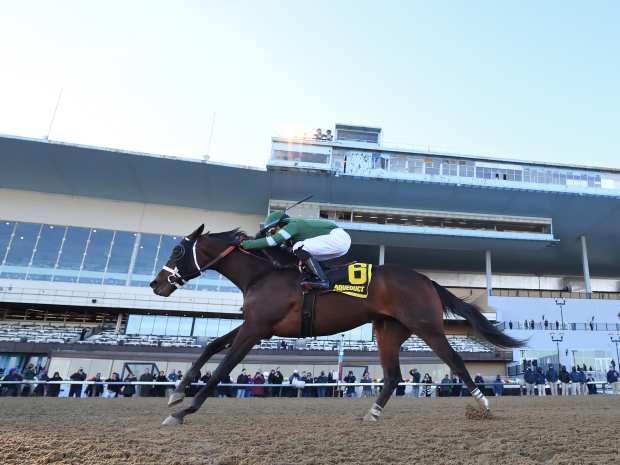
176	278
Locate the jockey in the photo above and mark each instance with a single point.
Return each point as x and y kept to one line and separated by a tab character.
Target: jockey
313	241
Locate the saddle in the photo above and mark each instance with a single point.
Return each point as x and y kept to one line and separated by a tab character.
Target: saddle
352	279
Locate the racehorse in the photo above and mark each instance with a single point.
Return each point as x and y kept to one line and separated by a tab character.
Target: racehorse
400	302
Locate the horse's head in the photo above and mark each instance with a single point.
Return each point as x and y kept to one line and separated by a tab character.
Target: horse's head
193	255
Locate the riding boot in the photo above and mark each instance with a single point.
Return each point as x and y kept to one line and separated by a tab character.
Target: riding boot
321	281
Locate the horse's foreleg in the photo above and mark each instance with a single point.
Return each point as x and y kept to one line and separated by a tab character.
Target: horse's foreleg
390	335
211	349
243	343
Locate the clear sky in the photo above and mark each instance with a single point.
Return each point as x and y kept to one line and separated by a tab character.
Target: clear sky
529	80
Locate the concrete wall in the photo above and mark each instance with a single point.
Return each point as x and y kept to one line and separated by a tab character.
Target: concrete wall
126	216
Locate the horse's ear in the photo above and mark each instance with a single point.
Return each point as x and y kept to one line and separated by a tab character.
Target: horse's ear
197	232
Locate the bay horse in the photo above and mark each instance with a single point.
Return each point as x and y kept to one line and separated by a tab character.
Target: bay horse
400	302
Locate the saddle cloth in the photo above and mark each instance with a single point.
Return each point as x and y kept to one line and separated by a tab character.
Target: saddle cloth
352	279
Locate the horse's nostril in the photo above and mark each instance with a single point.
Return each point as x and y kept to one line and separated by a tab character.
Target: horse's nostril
153	284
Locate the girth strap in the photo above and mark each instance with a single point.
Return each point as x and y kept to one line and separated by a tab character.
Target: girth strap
307	313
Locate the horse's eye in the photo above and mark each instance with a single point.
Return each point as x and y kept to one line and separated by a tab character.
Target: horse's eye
177	252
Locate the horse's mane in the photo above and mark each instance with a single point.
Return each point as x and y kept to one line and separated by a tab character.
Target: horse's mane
279	255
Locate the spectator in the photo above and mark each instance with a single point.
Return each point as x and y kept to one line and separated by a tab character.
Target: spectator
479	380
612	379
445	388
328	135
114	390
172	377
224	391
41	388
76	389
259	379
557	325
206	377
591	385
322	378
510	324
13	390
582	381
350	390
427	381
129	389
193	388
564	378
540	381
530	381
145	389
243	378
498	386
308	392
457	385
275	377
296	381
94	390
552	378
28	375
160	389
54	389
366	390
318	135
415	378
574	379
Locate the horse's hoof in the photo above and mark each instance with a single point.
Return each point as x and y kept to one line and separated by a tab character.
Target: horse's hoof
175	398
370	417
171	421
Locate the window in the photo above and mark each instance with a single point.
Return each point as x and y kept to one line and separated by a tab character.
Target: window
71	254
165	249
449	168
6	230
20	251
431	166
120	257
466	169
47	252
398	163
96	257
144	266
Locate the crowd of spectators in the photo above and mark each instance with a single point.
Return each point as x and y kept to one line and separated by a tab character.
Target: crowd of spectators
536	381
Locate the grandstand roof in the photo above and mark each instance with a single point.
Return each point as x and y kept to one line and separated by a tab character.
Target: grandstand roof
52	167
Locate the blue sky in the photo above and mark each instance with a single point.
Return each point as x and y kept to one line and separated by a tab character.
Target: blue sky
529	80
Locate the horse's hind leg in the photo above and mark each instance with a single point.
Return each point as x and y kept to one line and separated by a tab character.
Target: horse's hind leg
390	336
211	349
244	341
440	345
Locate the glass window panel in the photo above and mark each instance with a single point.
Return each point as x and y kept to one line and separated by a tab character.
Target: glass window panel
48	246
133	324
168	325
200	327
98	250
147	252
212	327
22	246
235	323
185	326
165	249
6	229
122	250
72	249
146	325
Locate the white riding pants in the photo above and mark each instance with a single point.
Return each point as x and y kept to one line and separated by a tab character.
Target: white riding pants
332	245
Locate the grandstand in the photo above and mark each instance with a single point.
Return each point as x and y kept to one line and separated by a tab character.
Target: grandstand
83	230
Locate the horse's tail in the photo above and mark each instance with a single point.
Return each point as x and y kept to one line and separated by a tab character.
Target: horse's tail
475	318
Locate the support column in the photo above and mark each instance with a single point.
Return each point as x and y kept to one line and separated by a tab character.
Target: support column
381	254
487	259
134	255
119	323
586	266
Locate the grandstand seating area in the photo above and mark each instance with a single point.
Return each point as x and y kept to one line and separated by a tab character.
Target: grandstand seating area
109	337
18	332
57	333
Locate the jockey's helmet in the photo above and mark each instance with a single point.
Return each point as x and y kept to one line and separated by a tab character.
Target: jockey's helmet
275	218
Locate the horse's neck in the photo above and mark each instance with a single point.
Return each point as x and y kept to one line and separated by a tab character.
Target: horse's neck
243	269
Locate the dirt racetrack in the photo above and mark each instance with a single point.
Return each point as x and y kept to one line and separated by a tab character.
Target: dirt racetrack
573	430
